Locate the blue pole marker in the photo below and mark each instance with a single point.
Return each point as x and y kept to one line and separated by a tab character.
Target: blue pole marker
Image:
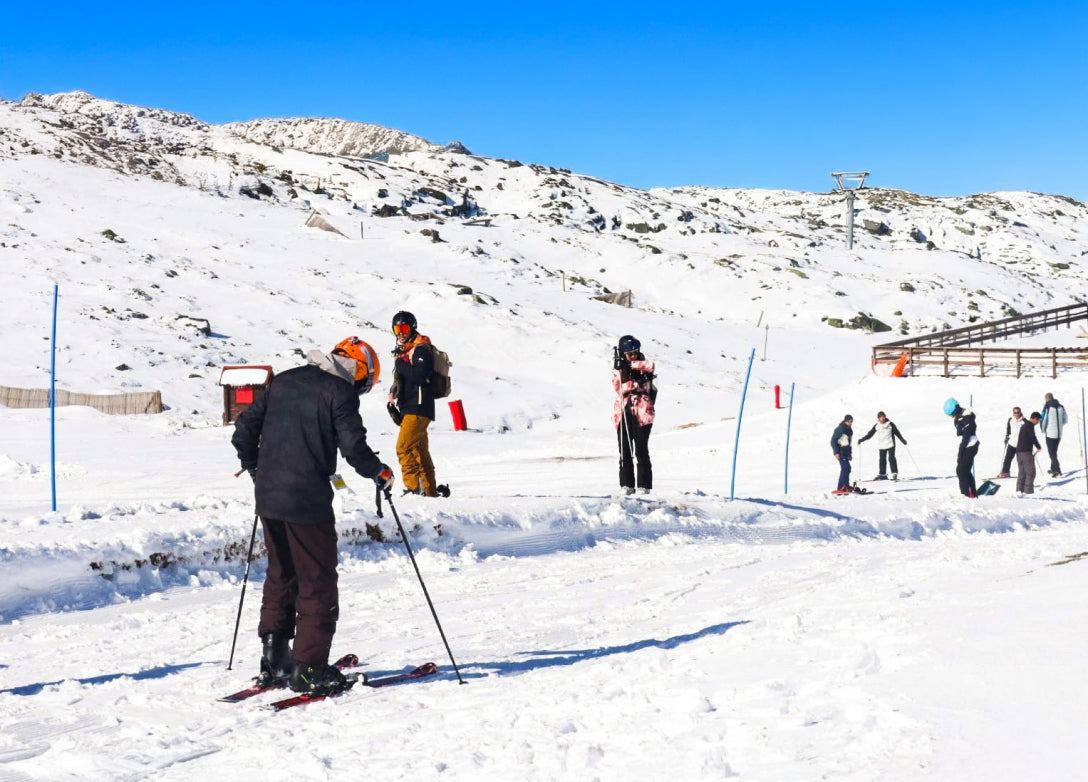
740	415
53	404
789	420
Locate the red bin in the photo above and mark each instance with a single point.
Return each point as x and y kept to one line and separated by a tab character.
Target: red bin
457	410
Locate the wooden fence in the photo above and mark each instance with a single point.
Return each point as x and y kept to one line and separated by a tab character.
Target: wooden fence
949	351
113	404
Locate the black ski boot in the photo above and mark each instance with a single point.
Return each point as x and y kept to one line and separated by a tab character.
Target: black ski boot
275	659
317	679
442	490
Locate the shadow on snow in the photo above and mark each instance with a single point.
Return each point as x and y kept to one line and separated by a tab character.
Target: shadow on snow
552	658
154	673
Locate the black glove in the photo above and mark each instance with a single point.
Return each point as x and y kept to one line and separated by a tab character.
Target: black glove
253	474
618	361
384	479
394	413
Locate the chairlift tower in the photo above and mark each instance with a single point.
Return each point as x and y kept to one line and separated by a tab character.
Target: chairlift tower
850	182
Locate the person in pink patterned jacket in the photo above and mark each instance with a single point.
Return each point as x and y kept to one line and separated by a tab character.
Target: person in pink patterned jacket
633	412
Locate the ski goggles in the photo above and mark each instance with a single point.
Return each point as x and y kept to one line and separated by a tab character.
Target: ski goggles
402	328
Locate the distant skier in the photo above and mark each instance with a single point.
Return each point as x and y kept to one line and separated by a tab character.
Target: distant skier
1027	445
633	412
411	405
885	432
287	441
964	421
841	449
1054	420
1012	430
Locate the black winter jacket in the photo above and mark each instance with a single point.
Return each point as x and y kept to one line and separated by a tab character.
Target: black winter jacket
412	381
290	435
1026	439
965	428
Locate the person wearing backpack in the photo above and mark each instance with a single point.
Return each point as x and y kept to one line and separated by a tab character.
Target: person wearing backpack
633	412
411	405
1054	420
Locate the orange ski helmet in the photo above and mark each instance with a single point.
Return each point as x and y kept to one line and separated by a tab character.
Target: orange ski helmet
367	367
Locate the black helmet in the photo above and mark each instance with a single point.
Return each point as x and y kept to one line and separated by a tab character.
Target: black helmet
629	344
405	317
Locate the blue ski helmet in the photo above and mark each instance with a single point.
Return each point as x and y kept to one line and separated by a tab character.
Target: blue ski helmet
951	406
629	344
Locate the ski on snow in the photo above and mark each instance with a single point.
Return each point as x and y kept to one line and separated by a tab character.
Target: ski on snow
347	661
427	669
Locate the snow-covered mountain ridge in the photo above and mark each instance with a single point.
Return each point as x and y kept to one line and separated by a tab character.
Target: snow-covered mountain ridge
742	261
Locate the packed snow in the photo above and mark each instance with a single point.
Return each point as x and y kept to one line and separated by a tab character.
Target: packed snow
738	622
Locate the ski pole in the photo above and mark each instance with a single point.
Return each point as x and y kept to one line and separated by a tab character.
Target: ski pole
625	429
916	470
245	580
426	594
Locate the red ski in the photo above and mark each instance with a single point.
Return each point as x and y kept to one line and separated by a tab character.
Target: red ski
427	669
347	661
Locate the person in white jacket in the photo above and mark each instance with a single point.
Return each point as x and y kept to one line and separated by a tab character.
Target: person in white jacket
1054	420
885	432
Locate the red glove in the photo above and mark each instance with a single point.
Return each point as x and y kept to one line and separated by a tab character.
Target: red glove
384	479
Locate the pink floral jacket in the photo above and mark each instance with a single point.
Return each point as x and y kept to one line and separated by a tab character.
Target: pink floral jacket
636	393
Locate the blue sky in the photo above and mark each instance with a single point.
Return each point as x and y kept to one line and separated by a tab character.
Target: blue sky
936	98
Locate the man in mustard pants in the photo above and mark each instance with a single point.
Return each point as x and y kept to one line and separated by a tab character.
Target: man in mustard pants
411	400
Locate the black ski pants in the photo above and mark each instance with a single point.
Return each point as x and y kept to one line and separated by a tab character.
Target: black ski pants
301	597
631	433
887	459
965	465
1010	453
1052	449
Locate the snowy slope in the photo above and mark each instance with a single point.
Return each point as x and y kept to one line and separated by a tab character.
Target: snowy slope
783	635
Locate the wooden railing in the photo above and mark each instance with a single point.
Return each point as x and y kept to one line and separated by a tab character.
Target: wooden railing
948	349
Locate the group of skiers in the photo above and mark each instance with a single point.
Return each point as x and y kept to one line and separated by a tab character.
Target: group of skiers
1020	443
885	432
287	440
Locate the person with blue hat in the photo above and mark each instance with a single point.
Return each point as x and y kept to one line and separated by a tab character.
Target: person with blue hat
964	421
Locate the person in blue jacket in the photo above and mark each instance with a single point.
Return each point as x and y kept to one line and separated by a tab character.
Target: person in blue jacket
840	447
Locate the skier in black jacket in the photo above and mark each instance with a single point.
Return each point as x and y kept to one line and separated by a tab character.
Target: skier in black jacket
1027	446
840	448
964	421
287	440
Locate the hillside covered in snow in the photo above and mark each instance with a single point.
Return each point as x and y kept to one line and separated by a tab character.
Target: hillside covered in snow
739	622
